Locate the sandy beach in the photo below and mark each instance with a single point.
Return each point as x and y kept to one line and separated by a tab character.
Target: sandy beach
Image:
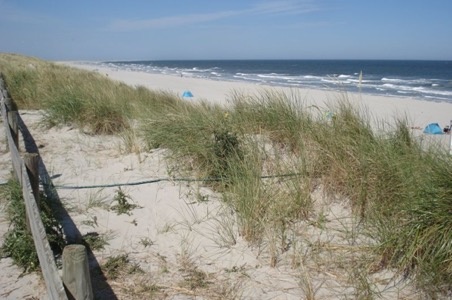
418	112
172	235
381	110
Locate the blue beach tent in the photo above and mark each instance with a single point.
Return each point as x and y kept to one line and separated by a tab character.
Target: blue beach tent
187	94
433	128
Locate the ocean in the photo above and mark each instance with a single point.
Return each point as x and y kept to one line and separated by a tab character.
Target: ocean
426	80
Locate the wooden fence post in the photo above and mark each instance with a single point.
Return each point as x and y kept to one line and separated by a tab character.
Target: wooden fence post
31	161
11	115
12	120
76	276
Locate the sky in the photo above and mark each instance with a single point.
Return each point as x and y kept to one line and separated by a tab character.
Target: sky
227	29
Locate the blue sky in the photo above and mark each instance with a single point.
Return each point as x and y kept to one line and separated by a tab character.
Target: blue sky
232	29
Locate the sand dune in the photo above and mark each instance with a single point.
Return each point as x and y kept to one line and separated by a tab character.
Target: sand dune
181	234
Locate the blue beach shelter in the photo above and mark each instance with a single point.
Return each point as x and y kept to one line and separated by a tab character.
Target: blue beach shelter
187	94
433	128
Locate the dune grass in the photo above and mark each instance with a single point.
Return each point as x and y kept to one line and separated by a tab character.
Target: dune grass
68	96
400	191
268	153
18	239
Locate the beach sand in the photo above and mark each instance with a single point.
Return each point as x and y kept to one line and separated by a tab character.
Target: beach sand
418	112
381	110
181	234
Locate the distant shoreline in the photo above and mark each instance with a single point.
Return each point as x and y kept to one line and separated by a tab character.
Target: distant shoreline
418	112
424	80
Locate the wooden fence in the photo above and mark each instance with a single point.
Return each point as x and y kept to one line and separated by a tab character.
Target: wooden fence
26	169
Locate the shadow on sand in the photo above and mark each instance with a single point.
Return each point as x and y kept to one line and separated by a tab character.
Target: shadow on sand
101	288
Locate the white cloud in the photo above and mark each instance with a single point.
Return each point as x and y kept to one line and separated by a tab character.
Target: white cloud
172	21
10	13
285	7
267	7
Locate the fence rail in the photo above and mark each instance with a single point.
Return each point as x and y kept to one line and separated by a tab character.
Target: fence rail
27	172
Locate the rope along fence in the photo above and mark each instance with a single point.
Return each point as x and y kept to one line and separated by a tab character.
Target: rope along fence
165	179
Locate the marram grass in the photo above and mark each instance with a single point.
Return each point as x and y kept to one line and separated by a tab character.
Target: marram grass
399	191
75	97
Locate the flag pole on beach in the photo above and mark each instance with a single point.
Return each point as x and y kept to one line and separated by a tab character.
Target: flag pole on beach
360	79
450	139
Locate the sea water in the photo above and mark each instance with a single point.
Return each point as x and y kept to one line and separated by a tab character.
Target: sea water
426	80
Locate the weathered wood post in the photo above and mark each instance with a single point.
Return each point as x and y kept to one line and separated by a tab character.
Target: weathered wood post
10	110
76	276
2	99
12	117
31	161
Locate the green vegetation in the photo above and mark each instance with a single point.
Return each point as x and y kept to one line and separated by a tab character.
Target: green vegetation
400	192
18	241
74	97
123	205
95	241
118	265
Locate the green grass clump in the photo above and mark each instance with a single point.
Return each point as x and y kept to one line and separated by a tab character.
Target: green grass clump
95	241
123	206
419	243
18	243
120	265
198	133
88	101
68	96
273	113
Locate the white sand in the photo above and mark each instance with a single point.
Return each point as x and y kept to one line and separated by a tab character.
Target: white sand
418	112
174	234
381	110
